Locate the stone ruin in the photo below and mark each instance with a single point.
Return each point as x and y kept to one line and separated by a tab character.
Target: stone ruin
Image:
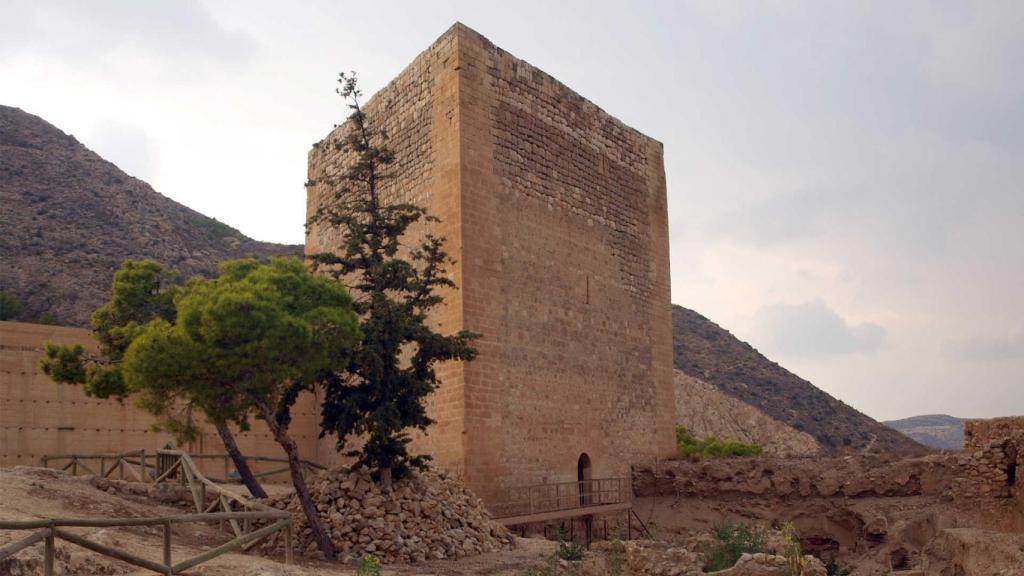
989	464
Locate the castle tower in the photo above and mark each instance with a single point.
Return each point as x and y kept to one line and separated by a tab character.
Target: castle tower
556	214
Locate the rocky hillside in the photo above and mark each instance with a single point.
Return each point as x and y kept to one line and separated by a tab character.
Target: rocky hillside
705	411
705	351
69	218
934	430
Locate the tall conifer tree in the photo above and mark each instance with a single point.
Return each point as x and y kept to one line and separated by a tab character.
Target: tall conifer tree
381	397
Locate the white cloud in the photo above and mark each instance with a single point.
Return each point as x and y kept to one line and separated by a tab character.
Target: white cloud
812	329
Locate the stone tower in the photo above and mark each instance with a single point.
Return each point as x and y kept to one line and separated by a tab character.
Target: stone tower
556	215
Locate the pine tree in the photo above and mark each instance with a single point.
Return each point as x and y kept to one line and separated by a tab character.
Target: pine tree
381	396
248	344
142	291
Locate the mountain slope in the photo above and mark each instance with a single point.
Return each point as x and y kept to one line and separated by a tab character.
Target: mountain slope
934	430
703	350
68	218
705	411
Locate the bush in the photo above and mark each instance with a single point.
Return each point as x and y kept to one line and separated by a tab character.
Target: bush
9	306
368	566
48	319
616	558
689	445
730	541
569	551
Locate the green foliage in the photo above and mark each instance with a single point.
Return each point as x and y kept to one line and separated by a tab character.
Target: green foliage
64	364
616	558
369	565
142	291
567	549
9	306
249	341
48	318
689	445
795	563
381	394
730	541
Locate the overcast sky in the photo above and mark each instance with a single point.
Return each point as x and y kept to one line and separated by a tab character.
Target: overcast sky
845	178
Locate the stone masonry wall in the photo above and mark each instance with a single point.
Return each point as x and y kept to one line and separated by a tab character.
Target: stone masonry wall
41	418
556	213
566	275
991	457
849	477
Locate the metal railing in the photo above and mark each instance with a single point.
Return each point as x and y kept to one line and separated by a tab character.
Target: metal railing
563	499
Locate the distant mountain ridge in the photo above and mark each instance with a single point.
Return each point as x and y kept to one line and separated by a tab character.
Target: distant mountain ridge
704	350
68	218
939	431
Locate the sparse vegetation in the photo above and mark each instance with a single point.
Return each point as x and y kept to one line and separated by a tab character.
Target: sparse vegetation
616	558
369	565
690	446
795	563
730	540
567	549
215	228
549	568
9	306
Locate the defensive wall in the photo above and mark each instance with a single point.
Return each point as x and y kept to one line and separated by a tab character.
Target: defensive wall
39	417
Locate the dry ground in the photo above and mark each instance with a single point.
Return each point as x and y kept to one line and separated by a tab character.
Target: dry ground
28	493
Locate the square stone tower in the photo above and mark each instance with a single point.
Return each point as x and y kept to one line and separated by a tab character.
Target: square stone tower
556	215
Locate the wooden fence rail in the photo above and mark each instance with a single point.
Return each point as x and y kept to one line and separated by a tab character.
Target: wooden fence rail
212	503
141	466
49	529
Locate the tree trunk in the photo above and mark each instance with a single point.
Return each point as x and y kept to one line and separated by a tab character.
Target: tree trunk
323	540
385	477
244	472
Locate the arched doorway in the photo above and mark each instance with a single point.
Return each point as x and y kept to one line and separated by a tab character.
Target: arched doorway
583	476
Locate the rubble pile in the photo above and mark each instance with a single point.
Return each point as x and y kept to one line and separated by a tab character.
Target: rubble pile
429	516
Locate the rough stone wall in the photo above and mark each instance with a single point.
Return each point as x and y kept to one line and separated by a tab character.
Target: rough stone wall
705	411
41	418
556	213
850	477
992	454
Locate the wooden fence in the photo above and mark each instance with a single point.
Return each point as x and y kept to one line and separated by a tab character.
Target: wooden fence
141	466
211	501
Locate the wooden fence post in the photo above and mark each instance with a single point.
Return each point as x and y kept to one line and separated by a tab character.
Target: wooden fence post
288	553
167	547
48	553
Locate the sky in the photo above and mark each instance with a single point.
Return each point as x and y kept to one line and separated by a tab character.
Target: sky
845	179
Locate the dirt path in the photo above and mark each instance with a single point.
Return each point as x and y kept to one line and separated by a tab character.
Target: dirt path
28	493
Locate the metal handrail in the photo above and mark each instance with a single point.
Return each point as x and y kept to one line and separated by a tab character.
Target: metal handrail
563	496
